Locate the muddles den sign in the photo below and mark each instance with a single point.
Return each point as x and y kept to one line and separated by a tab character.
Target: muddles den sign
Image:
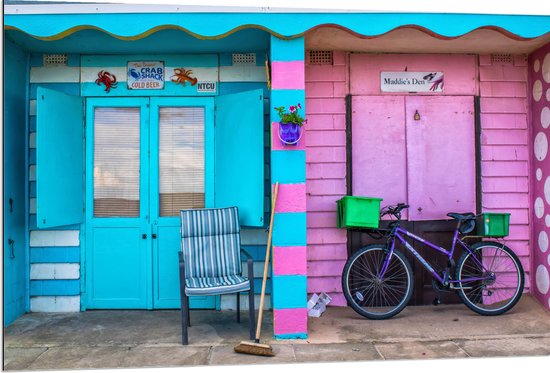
404	81
145	75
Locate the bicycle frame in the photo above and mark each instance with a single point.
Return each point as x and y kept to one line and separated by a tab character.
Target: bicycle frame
399	233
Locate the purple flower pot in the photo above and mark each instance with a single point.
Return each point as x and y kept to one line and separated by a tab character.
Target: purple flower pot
290	133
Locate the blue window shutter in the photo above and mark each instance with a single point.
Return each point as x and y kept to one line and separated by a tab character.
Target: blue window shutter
239	155
59	159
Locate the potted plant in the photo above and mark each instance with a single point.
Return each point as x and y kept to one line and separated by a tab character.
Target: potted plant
290	126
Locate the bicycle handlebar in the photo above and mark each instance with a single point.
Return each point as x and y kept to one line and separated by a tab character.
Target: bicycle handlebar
394	210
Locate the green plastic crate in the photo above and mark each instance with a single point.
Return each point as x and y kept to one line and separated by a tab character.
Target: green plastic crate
358	212
490	224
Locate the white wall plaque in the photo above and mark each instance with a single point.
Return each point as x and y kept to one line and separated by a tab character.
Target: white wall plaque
145	75
404	81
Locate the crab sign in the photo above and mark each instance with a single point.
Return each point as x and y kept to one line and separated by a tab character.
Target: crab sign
106	78
181	76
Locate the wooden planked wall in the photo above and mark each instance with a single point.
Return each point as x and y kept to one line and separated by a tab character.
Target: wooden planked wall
55	255
502	87
505	147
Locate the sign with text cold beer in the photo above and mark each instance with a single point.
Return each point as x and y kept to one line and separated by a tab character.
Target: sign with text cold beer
145	75
404	81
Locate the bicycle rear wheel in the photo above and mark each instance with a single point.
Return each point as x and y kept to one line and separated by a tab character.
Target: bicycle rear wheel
371	295
490	278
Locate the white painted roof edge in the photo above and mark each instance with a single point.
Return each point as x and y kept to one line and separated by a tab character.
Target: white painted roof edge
90	8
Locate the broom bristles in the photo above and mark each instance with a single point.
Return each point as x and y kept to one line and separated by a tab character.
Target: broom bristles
252	348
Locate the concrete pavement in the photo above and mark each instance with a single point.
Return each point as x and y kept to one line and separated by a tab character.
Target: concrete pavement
125	339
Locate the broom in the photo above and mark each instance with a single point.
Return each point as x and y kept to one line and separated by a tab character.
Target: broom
257	348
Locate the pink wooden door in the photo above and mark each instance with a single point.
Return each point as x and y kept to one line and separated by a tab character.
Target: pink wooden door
440	156
379	148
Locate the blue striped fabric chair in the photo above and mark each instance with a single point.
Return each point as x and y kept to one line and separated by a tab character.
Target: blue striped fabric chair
210	260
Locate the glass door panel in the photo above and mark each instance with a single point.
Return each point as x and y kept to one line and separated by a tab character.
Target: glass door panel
181	135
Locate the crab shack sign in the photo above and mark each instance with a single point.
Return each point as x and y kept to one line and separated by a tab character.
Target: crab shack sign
145	75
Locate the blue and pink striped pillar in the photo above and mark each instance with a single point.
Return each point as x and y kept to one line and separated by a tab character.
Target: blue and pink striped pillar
288	167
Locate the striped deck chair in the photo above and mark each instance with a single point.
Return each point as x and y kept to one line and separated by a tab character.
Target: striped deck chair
210	260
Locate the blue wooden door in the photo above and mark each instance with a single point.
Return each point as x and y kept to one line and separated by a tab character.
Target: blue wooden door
118	234
181	177
147	159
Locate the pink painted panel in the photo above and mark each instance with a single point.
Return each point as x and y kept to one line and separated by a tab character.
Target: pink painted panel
504	121
325	73
289	260
291	198
277	144
326	236
290	321
378	148
287	74
501	73
441	156
459	70
503	105
503	89
327	252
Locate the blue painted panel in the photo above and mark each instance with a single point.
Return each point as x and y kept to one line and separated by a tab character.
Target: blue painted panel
285	97
226	59
117	268
287	50
60	148
218	25
36	60
121	90
289	229
32	123
289	292
55	254
73	60
239	151
33	225
288	166
184	60
15	267
32	157
72	89
32	189
291	336
235	87
54	287
118	259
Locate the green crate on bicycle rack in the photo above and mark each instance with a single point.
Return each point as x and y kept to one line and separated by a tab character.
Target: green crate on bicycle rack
358	212
492	224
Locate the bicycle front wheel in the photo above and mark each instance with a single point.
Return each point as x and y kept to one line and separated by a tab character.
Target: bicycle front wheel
490	278
374	296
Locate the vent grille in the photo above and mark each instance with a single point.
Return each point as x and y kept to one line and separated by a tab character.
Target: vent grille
501	58
54	60
320	57
244	58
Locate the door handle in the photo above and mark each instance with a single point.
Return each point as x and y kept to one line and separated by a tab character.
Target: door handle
144	236
12	251
154	235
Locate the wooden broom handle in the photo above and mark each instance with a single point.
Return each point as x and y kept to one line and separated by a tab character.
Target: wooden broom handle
266	264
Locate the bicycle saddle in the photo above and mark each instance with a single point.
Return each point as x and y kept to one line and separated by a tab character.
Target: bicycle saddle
461	217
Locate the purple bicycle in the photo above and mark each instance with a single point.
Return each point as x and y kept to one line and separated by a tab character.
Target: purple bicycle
377	280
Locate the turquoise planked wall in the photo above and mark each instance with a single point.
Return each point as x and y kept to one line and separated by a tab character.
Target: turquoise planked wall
16	262
51	252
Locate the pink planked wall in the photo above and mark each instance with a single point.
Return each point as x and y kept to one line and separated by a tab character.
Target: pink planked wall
326	87
505	148
539	94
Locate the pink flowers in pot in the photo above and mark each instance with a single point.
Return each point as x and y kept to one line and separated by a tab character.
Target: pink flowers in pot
292	115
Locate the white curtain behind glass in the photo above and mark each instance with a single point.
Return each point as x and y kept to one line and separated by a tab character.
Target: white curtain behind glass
181	159
116	161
